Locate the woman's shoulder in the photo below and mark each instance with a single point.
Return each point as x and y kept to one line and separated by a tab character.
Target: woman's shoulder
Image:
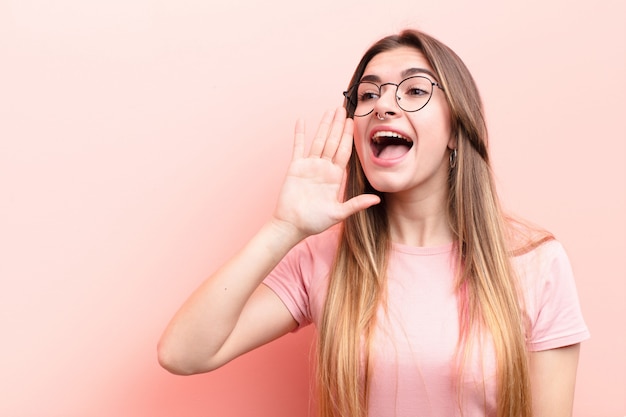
542	266
550	297
536	253
523	238
541	256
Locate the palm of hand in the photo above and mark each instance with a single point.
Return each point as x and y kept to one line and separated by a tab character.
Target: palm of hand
310	199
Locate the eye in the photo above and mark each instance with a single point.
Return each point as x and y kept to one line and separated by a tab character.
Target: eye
367	95
416	87
416	91
367	92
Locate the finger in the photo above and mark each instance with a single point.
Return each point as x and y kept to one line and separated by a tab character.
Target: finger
358	203
317	147
345	145
334	136
298	140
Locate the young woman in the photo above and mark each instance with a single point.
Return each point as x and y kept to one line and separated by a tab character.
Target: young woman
388	235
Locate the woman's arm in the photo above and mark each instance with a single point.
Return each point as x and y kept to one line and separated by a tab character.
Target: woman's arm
231	313
553	379
228	315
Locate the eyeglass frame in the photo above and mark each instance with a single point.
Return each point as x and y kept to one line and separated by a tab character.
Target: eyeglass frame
380	88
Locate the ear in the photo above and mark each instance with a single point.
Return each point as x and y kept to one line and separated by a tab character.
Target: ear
452	142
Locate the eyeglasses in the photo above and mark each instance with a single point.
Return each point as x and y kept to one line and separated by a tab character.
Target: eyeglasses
412	94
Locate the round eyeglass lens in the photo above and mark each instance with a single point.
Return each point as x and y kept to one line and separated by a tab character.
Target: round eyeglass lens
412	94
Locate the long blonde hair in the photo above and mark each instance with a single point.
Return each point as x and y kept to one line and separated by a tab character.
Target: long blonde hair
486	286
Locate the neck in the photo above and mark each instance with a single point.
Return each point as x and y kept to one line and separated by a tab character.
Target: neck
419	220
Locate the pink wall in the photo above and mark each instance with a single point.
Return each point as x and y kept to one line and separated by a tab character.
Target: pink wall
142	142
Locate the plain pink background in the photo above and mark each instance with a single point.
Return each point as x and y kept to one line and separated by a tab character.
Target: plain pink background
142	142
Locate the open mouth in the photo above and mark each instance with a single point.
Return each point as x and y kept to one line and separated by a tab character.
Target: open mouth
390	145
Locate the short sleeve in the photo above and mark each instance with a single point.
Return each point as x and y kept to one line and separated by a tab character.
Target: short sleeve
288	282
301	279
552	305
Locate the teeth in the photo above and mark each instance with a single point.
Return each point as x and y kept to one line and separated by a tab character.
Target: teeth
388	134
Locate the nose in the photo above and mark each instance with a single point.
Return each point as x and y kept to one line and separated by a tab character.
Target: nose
387	103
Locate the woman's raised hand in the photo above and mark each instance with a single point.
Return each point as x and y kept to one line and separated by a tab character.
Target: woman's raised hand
220	320
310	200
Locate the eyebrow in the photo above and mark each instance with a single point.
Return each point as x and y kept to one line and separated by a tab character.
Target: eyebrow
406	73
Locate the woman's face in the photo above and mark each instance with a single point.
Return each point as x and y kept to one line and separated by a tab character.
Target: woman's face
407	152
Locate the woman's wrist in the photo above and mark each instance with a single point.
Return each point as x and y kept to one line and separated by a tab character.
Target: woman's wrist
283	233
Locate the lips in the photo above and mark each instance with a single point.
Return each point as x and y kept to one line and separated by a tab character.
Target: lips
389	144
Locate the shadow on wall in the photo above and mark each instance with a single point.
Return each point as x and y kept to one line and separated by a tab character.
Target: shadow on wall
272	381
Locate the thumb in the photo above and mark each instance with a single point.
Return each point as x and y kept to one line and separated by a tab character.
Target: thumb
358	203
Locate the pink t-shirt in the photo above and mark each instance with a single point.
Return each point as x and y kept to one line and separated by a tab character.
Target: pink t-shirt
414	346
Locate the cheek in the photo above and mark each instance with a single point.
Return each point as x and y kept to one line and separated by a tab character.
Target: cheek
359	142
435	126
360	126
446	122
358	147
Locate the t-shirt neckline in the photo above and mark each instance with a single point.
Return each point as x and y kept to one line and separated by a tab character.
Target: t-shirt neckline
422	250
